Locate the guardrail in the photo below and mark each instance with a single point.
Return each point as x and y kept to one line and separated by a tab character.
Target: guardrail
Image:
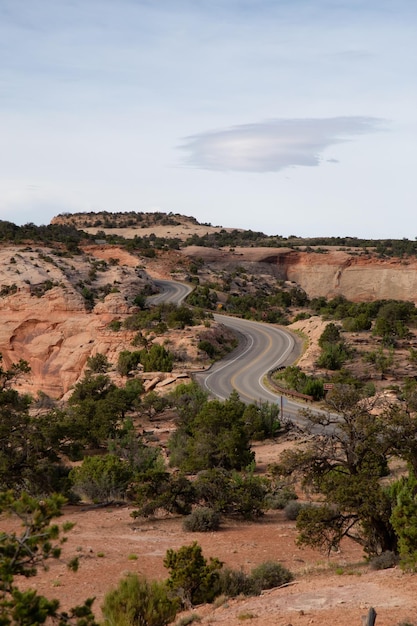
287	392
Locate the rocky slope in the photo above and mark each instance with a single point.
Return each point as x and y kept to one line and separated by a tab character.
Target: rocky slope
356	273
55	311
49	317
360	277
55	306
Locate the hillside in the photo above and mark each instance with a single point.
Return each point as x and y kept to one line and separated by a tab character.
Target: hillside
361	271
359	277
56	307
131	224
58	299
63	301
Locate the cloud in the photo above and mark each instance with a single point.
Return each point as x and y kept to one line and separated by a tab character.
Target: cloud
273	145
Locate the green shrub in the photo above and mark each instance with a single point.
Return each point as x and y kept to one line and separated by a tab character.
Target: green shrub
331	334
128	361
102	478
315	388
158	489
292	509
233	583
249	495
98	363
269	575
261	420
214	436
192	578
140	300
333	356
208	347
180	317
188	619
202	520
293	378
115	325
280	497
157	359
137	602
149	253
355	324
231	493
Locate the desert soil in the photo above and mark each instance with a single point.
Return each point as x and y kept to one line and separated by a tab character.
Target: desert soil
335	590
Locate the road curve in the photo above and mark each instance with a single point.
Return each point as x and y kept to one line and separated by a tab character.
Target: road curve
262	347
170	291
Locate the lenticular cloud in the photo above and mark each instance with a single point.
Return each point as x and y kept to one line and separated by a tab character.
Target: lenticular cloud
273	145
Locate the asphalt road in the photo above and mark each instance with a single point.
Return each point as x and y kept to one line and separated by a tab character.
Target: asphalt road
170	292
262	348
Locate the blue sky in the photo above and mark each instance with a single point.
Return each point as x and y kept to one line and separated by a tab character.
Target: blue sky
292	117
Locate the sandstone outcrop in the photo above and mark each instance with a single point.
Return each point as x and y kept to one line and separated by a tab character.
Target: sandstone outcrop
360	277
55	310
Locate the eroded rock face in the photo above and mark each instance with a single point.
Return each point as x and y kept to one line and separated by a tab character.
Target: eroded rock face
48	317
55	345
358	277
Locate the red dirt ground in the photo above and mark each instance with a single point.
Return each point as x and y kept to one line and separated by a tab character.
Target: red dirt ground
336	590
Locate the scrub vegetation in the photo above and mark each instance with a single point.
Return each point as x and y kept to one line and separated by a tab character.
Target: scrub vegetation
92	448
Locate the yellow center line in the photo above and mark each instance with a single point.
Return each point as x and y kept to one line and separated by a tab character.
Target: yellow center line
249	365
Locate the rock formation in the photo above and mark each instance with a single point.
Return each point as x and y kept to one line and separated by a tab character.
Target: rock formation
360	277
55	310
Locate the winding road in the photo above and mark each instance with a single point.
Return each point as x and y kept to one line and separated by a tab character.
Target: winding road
262	348
170	291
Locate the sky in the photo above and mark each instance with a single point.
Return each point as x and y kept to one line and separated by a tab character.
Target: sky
290	117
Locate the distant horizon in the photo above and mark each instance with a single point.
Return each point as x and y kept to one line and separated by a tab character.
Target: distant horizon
210	224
